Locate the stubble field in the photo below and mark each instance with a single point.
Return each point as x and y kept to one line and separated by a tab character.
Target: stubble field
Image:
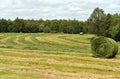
52	56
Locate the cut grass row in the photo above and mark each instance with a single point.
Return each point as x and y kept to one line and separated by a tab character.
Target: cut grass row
26	64
50	42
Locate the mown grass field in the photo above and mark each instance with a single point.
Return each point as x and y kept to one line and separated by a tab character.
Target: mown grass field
52	56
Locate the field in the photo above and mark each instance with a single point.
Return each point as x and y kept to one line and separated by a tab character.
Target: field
52	56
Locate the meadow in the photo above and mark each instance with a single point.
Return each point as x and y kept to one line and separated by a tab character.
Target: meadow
53	56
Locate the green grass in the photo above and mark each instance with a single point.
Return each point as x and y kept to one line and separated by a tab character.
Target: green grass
52	56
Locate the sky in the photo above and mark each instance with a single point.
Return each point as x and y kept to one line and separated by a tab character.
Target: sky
55	9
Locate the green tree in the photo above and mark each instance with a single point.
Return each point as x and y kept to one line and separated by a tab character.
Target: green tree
47	29
95	21
107	26
31	26
115	32
18	25
4	25
41	27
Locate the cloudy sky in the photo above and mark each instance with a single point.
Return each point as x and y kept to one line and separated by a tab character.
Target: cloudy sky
55	9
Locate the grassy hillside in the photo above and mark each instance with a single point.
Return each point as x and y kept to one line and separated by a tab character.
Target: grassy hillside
52	56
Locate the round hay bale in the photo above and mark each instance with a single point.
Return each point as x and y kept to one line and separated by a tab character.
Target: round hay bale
81	33
104	47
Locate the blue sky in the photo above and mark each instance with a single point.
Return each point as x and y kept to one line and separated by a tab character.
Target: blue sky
55	9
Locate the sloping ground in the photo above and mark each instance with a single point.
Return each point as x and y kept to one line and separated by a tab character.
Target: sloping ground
53	56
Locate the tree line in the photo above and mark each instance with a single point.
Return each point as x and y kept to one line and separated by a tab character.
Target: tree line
47	26
99	23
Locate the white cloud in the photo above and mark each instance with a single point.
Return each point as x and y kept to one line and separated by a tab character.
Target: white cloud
55	9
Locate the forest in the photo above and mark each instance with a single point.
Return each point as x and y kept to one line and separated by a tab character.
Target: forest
99	23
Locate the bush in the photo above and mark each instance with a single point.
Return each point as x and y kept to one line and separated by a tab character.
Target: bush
104	47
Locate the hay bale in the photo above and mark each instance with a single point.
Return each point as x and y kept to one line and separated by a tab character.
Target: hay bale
81	33
104	47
